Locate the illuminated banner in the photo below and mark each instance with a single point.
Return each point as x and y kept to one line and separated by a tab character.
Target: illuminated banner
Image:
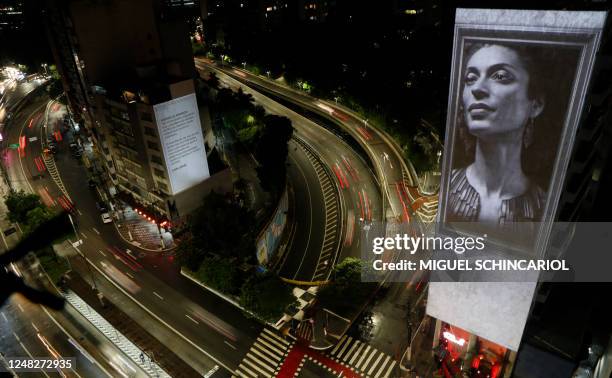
180	132
518	83
517	90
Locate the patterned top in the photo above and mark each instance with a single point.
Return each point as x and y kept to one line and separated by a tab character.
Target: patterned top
464	202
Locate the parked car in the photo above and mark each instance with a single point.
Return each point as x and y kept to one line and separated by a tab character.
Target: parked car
106	218
101	206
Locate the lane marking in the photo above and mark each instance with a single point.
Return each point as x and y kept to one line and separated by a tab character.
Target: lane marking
230	345
154	315
157	295
35	327
102	253
95	230
132	277
4	317
79	211
82	233
103	369
20	308
30	354
311	211
192	319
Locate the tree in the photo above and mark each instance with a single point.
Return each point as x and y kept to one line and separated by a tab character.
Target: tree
221	274
267	296
213	80
345	289
271	152
19	204
223	228
188	255
36	217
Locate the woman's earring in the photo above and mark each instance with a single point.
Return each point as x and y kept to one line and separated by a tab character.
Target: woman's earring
528	133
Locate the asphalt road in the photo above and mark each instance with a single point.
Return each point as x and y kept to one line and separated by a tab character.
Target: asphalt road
35	331
201	328
359	191
389	167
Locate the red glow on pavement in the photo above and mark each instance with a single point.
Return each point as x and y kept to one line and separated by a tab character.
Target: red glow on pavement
46	198
40	165
338	176
30	124
361	206
399	191
125	258
340	115
299	353
58	136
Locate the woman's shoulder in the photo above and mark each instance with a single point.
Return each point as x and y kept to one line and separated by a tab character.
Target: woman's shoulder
531	203
463	200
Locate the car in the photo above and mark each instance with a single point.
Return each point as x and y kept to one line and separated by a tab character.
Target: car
101	206
106	218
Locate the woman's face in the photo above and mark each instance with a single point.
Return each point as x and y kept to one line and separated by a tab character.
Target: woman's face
495	96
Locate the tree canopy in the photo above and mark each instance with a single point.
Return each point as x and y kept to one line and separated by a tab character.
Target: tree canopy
267	296
345	290
221	227
19	204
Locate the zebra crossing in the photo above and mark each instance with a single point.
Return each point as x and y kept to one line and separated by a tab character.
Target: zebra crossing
365	359
265	356
52	169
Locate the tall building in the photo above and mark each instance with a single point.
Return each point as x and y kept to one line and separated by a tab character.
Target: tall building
494	315
11	16
121	82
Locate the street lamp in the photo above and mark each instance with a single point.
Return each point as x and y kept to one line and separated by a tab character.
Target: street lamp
365	122
268	73
244	65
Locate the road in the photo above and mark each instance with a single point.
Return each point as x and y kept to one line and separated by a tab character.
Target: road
39	332
200	327
359	195
394	174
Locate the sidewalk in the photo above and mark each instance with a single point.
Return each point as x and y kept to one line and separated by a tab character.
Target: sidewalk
141	233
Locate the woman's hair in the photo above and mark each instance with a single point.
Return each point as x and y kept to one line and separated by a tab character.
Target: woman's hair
548	81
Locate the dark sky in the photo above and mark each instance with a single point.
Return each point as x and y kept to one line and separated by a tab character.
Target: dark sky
27	46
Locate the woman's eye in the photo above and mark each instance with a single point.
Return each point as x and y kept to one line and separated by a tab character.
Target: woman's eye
471	78
502	76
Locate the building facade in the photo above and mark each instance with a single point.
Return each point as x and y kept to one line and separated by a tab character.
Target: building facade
113	78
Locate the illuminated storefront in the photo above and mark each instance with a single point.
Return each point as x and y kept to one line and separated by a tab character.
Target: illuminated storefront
461	353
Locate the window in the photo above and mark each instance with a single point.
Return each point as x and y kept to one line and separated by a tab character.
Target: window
156	159
153	145
146	116
149	131
159	173
162	186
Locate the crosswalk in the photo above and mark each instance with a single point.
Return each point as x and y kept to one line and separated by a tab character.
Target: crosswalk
265	356
365	359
